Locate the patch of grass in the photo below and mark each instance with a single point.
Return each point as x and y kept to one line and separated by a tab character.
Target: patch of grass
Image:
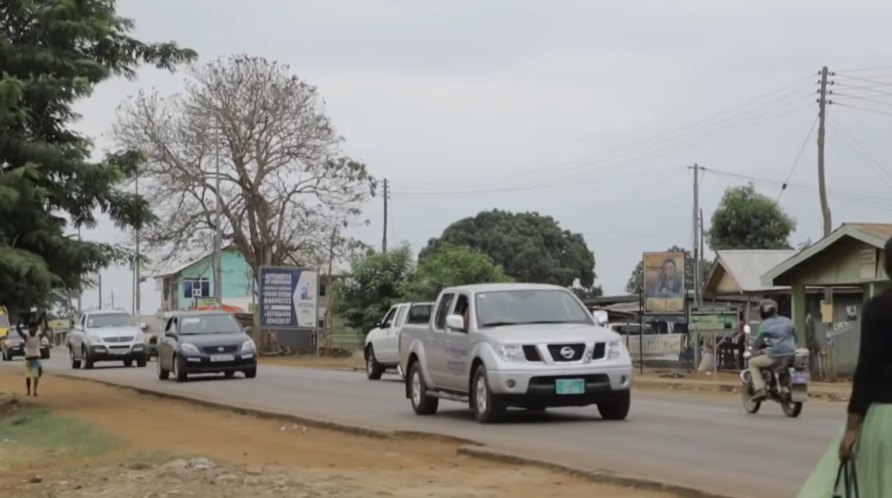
30	434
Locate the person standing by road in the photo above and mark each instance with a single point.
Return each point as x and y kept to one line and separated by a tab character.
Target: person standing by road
33	368
867	438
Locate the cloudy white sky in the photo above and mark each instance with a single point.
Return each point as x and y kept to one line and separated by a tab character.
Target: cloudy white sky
588	111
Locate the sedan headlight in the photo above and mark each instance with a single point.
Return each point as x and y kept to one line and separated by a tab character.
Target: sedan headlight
249	346
615	350
511	352
189	348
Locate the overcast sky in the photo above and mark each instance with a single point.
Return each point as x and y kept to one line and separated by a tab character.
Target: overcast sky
588	111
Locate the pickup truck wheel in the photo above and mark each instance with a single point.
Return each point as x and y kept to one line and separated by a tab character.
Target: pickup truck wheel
421	402
88	361
616	407
373	369
487	407
75	363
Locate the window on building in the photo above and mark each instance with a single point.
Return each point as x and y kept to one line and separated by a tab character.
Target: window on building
196	288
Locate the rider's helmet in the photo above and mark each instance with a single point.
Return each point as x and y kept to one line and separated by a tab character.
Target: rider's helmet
767	309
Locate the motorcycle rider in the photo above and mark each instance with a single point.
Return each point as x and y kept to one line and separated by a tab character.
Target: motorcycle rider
781	332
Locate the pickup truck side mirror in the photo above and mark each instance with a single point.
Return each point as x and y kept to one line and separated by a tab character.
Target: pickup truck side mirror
170	335
747	330
455	322
143	326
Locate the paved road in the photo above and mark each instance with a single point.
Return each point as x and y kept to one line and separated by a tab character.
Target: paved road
694	440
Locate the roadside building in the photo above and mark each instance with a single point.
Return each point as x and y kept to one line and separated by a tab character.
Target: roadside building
848	262
736	278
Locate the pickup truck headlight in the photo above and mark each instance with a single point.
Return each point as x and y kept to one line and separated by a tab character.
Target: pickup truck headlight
615	350
511	352
189	348
249	346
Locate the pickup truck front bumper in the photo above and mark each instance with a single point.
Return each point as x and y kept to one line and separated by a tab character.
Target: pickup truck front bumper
537	387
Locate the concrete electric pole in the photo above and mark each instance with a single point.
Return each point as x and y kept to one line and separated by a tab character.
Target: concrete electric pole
822	182
384	238
218	236
696	225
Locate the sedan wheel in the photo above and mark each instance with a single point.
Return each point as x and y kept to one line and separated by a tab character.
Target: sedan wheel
162	373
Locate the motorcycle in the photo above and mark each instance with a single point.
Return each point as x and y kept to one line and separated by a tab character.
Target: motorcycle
786	382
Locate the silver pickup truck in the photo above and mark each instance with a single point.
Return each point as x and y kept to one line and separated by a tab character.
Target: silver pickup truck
522	345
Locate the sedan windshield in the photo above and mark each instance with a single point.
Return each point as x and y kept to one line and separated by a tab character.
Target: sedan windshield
209	324
519	307
110	320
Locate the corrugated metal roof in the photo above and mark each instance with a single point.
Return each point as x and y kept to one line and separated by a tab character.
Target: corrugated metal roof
746	266
875	234
880	230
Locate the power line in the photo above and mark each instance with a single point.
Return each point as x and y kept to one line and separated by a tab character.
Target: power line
677	133
575	181
798	156
874	111
859	150
873	198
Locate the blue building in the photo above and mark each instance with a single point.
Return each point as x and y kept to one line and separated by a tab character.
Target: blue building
192	285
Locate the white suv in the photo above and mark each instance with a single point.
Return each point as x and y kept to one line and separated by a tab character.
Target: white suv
106	335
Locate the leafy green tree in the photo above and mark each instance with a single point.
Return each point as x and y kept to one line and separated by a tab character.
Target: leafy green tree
528	246
376	281
53	53
449	266
633	286
746	219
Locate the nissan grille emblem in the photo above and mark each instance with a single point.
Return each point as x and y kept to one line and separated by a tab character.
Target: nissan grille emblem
567	352
220	349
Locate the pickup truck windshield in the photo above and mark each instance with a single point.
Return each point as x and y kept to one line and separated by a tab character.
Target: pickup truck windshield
518	307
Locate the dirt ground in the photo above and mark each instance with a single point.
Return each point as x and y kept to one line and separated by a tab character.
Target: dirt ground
81	439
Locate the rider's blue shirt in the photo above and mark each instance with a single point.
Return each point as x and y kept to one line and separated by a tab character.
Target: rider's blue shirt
780	332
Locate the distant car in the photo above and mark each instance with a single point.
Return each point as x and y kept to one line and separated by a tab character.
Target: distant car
200	342
106	335
382	342
13	345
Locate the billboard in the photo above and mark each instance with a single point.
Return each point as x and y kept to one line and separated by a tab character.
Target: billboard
288	297
664	289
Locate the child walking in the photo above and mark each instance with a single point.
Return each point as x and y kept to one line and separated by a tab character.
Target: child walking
33	368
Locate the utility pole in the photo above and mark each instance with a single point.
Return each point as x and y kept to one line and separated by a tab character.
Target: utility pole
81	290
696	225
136	273
822	183
218	236
329	289
386	195
100	290
113	298
702	251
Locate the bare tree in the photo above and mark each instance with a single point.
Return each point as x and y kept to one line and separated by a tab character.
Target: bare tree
285	185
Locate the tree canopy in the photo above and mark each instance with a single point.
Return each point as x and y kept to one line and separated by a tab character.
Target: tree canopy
528	246
284	184
746	219
633	286
376	281
449	266
51	55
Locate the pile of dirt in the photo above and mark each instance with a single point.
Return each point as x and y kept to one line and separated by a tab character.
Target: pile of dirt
198	477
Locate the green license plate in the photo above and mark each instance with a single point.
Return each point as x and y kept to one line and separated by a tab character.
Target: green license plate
570	386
